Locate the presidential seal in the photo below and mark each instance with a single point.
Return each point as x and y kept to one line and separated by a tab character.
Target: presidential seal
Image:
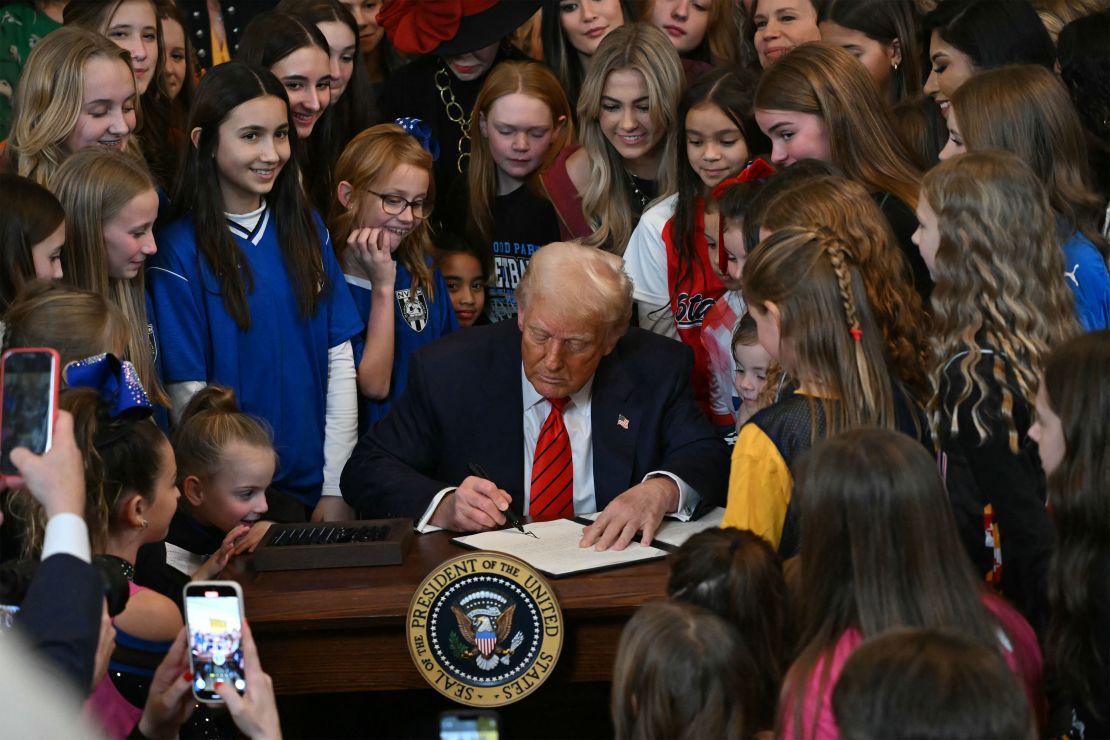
484	629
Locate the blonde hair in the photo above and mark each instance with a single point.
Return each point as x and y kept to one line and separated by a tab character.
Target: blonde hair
645	49
375	153
844	208
50	96
834	345
209	424
999	280
581	282
93	186
526	78
77	323
828	82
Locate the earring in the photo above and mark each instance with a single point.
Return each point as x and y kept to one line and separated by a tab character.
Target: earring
894	66
145	524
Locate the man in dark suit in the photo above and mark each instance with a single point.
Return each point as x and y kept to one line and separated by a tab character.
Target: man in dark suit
639	446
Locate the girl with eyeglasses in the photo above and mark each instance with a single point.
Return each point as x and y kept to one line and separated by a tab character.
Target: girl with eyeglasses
383	240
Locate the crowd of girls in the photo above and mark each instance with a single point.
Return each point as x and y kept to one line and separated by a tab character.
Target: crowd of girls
880	226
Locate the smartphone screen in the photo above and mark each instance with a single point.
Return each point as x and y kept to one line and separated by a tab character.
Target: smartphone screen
8	613
29	396
213	613
468	726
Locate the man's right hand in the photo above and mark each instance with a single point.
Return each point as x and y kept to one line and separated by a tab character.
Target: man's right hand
476	505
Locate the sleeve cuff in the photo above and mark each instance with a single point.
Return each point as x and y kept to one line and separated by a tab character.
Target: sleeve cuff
422	526
688	498
67	534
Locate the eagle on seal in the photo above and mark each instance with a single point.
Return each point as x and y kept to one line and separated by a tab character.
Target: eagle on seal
485	635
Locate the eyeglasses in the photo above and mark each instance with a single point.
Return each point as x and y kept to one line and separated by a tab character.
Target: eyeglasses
395	205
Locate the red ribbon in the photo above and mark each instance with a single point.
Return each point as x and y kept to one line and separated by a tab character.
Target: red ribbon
754	172
420	26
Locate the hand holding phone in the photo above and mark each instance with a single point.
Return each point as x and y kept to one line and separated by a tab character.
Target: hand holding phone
214	618
255	713
28	402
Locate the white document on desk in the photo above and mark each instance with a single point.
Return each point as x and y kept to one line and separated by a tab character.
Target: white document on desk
672	533
556	551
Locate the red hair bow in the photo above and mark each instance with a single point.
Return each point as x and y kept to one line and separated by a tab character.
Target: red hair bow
754	172
420	26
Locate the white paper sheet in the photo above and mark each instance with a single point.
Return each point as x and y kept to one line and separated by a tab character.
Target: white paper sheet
673	532
556	551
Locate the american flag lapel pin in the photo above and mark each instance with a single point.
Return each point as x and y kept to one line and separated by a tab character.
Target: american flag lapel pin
622	421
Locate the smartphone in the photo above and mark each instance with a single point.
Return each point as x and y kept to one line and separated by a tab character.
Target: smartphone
29	382
214	618
468	726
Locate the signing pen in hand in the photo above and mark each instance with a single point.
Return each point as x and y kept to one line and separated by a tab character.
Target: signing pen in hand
514	520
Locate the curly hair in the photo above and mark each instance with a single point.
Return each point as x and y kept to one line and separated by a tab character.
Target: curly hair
844	208
999	280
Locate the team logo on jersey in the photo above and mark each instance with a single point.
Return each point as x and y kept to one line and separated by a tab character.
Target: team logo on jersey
413	307
484	629
690	310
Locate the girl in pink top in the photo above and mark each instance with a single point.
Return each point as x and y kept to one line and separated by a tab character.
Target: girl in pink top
880	552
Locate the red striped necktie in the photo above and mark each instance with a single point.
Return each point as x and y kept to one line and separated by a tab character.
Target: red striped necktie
552	494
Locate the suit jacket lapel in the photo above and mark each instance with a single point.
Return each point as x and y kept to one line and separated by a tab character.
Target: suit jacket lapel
616	423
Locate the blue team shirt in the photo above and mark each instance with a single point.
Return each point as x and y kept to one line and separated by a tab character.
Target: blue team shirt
279	367
417	321
1085	273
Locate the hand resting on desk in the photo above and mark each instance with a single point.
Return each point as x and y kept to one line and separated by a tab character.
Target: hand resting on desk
477	504
639	509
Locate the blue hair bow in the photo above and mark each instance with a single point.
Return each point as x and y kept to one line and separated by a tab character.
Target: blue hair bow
422	132
115	380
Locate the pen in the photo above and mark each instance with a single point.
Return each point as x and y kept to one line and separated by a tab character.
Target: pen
514	520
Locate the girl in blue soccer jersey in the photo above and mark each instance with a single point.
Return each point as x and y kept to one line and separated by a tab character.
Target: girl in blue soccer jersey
383	241
247	290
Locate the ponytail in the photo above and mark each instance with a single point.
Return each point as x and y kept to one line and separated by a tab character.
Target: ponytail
210	422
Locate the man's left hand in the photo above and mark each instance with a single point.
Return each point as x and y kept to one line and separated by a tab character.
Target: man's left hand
639	509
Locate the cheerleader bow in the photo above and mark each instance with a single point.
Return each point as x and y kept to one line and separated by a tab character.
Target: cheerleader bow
115	380
754	172
422	132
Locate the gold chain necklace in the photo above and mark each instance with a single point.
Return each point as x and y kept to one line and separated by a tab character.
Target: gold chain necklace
455	114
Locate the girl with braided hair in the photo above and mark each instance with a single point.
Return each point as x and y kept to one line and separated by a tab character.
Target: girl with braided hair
807	296
1001	304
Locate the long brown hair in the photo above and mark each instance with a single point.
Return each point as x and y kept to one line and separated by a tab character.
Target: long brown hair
826	81
681	672
527	78
1026	109
872	503
844	208
122	456
371	155
999	280
94	186
813	278
1077	386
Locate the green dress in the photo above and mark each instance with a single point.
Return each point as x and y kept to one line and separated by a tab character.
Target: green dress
21	27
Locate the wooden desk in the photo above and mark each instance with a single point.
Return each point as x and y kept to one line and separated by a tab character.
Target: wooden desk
338	630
